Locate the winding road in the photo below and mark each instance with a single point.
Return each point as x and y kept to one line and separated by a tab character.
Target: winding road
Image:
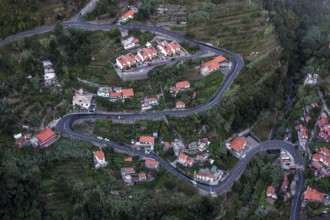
65	123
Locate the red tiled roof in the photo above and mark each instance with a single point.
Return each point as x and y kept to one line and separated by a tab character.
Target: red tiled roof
270	190
304	132
152	100
238	143
327	161
325	151
135	40
128	169
142	175
129	13
45	134
210	175
323	121
317	157
183	157
189	160
213	64
151	162
313	194
147	139
323	135
180	104
128	92
175	45
308	118
182	84
128	159
99	154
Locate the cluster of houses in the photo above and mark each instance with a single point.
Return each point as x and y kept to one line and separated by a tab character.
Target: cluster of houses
49	73
147	53
115	93
212	65
271	191
321	162
324	126
44	138
237	145
130	176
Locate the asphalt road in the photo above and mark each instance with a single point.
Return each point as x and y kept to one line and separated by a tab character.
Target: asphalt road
65	124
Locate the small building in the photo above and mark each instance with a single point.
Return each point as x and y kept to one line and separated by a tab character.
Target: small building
151	163
318	157
45	138
270	201
180	105
125	61
104	91
212	65
313	195
167	145
130	43
209	175
271	192
82	100
147	103
169	49
142	176
99	159
180	86
285	185
237	144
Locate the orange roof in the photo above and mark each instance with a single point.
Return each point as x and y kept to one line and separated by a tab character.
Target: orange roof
313	194
128	92
271	190
115	94
135	40
213	64
128	159
147	139
128	169
325	151
151	51
238	143
180	103
99	154
175	45
189	160
317	157
122	60
210	175
129	13
142	175
166	47
317	165
151	162
130	58
45	134
182	84
327	161
183	157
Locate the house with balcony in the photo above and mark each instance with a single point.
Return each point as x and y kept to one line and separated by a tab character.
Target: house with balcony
180	105
146	142
313	195
104	92
185	160
128	15
237	145
148	103
180	87
147	53
151	163
82	100
128	93
209	175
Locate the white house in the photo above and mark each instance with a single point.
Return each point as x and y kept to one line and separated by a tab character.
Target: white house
125	61
99	159
49	73
169	49
82	100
